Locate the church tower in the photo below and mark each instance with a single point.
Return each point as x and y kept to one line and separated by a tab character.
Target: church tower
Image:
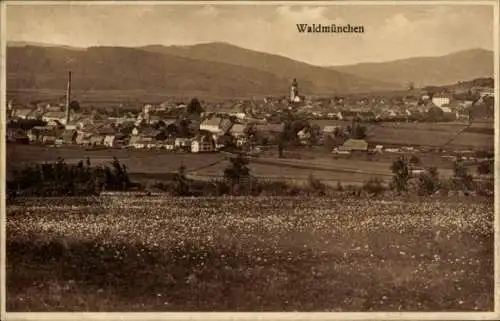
294	91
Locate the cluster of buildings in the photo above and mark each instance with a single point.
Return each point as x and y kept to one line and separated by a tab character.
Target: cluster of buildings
169	126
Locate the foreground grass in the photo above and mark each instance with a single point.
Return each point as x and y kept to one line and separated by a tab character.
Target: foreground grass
249	254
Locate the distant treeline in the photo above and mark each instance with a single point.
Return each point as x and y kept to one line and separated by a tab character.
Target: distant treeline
82	179
62	179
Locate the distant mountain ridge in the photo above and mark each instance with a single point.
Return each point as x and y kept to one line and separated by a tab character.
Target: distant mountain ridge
120	68
428	71
215	68
311	78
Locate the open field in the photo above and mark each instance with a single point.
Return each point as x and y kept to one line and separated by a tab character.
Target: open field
436	135
249	254
480	135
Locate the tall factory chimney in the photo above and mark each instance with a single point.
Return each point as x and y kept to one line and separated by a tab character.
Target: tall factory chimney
68	98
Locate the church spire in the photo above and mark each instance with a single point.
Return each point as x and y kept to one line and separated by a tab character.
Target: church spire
294	91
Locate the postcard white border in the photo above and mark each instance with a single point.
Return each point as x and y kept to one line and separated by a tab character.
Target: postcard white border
248	316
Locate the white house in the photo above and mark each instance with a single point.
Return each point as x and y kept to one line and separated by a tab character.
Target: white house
440	101
22	113
202	145
182	142
211	125
239	115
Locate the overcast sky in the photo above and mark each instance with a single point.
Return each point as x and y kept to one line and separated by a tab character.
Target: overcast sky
391	32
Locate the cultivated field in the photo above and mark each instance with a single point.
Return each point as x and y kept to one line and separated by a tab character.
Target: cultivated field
119	253
143	163
480	135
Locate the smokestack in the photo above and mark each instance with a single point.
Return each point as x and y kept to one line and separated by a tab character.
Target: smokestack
68	98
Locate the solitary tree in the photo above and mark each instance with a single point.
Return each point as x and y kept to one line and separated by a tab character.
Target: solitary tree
194	107
401	174
238	171
181	182
462	176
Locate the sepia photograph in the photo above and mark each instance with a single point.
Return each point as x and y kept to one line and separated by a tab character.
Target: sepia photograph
249	157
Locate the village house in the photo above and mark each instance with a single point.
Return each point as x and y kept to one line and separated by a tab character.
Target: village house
122	120
97	140
304	135
440	100
202	144
54	117
115	140
168	143
366	116
238	132
49	139
347	115
16	135
83	138
354	145
68	136
329	130
387	114
448	114
138	142
36	134
22	113
182	142
216	125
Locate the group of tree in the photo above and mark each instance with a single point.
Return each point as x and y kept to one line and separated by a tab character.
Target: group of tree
62	179
428	182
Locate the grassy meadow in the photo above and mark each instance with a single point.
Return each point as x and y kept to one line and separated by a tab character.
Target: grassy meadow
118	253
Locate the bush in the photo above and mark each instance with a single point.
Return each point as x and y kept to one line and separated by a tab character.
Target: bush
316	186
463	180
374	186
485	168
428	183
485	188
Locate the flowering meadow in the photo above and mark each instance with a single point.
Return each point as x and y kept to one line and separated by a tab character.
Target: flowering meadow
115	253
